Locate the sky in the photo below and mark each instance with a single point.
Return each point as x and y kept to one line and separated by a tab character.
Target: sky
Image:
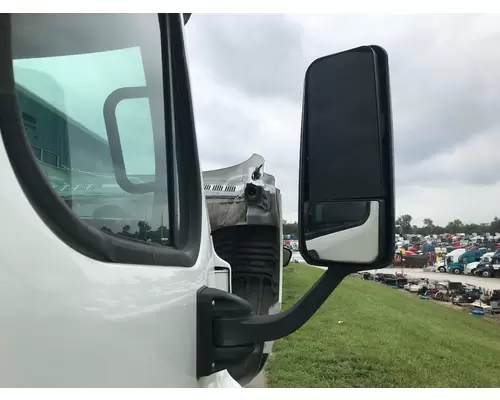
247	75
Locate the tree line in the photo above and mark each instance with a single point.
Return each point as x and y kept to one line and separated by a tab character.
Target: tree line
405	224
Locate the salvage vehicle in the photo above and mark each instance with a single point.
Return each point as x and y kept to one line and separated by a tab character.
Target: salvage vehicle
453	255
471	267
469	256
488	270
390	279
113	267
410	260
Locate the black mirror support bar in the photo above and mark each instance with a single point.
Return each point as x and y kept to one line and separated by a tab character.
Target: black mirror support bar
113	133
228	330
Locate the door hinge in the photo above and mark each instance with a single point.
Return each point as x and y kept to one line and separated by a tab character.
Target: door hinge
213	304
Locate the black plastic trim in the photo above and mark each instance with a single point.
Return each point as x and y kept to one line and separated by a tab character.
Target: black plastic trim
59	217
188	173
211	305
263	361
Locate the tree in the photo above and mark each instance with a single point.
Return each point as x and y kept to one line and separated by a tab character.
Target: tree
403	225
290	228
455	226
404	221
439	230
144	228
495	225
485	228
428	226
126	231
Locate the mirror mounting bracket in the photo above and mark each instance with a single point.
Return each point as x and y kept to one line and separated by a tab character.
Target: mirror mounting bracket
228	330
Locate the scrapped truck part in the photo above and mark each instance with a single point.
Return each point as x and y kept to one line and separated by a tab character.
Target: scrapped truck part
244	208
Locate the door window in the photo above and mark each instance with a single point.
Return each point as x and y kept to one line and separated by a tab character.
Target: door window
62	85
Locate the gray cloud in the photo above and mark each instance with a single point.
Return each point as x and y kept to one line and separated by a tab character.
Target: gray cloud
248	77
261	55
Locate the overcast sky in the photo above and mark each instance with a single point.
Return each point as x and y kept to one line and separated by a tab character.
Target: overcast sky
247	76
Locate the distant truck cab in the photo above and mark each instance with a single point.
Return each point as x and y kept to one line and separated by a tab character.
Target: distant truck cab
458	267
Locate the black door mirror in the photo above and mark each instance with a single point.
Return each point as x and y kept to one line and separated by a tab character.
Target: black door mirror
346	217
287	256
346	214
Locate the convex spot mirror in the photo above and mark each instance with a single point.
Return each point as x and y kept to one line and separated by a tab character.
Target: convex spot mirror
346	215
287	256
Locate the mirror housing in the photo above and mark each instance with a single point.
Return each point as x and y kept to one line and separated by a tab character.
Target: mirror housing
346	195
287	256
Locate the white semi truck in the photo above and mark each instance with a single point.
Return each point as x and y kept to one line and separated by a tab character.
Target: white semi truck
123	265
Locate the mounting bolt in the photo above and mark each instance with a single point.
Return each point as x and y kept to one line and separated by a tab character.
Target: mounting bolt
213	365
213	303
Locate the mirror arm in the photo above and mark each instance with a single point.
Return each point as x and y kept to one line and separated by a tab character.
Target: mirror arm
228	330
259	328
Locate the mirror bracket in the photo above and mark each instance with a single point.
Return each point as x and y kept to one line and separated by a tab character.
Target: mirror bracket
228	331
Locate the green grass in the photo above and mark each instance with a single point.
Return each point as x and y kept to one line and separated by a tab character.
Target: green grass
387	338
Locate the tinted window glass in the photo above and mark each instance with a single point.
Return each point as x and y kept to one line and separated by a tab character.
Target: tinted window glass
50	158
63	82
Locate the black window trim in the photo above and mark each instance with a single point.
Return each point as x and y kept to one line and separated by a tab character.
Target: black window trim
185	202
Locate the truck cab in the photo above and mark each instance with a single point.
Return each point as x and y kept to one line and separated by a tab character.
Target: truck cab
123	263
458	267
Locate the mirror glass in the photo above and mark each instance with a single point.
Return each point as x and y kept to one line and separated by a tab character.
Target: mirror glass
287	256
346	176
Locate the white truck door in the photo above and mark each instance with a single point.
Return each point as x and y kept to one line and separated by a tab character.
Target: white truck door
106	239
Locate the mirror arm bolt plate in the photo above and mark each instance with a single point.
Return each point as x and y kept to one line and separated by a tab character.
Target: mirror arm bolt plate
228	330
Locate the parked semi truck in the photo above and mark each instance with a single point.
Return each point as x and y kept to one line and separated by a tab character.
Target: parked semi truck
123	263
